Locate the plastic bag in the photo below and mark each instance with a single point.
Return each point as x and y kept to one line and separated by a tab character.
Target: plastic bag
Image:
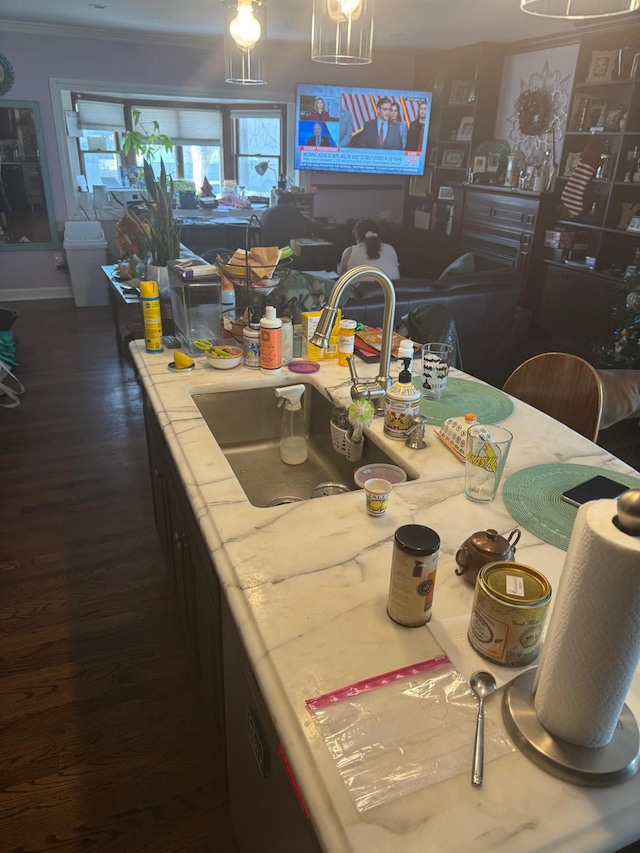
403	730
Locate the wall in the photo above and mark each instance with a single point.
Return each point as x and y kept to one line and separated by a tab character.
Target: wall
189	68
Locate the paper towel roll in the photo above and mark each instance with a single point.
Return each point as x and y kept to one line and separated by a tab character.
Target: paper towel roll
593	642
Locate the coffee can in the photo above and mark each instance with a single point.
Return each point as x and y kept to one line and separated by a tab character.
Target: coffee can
510	606
413	575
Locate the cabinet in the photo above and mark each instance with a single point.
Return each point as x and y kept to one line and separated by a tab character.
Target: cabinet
465	84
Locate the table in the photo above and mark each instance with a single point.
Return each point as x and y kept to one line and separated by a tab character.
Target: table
127	313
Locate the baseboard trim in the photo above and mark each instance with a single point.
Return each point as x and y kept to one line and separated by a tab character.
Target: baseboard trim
33	293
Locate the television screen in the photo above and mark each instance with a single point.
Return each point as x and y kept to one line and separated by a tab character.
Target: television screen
353	129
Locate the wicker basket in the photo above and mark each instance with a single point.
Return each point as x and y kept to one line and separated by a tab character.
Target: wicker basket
343	444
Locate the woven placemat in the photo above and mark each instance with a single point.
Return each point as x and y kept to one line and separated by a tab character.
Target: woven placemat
532	496
489	404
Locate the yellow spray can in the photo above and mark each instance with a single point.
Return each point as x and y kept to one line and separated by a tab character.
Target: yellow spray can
150	299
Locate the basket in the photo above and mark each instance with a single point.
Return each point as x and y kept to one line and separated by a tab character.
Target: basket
343	444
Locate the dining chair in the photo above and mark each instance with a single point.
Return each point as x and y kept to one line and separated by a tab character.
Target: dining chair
562	385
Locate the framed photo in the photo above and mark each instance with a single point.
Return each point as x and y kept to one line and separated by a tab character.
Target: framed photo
420	185
635	68
634	225
479	163
465	131
459	92
603	64
572	162
493	162
445	194
453	158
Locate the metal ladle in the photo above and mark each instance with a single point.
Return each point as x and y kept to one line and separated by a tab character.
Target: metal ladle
483	684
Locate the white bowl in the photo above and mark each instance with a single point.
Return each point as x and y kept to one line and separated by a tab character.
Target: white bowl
379	470
222	362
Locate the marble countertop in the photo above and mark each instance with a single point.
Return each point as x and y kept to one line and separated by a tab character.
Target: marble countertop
307	584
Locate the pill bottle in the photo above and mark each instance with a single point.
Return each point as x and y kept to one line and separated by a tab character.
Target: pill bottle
347	331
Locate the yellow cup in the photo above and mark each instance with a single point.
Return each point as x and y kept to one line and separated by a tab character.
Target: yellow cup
377	493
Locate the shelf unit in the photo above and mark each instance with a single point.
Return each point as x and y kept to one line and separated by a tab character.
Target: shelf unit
605	114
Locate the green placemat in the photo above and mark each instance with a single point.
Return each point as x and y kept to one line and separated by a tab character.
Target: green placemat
489	404
532	496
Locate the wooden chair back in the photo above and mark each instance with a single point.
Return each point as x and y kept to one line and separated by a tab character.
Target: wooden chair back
562	385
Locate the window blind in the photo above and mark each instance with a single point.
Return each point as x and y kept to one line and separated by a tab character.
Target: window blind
185	127
101	115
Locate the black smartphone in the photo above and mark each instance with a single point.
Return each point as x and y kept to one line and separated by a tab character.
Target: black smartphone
593	490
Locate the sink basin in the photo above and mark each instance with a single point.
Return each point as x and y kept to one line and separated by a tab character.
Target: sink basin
246	425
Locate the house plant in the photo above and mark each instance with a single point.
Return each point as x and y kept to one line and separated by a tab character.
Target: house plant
159	231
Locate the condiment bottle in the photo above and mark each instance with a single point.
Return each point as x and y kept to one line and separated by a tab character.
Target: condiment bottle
401	403
270	342
413	575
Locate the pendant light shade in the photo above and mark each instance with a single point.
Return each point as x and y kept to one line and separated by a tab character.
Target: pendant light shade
579	9
245	38
342	31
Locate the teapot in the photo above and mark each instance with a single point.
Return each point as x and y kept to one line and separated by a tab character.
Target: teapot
485	546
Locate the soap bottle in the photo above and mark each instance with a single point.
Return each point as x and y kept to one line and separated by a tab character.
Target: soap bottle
270	342
293	443
401	404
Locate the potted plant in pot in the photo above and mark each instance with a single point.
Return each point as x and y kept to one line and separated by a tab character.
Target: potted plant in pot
159	231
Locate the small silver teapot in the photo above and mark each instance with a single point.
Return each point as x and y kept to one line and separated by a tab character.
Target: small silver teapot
485	546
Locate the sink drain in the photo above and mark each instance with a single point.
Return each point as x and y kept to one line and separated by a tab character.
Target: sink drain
325	489
285	499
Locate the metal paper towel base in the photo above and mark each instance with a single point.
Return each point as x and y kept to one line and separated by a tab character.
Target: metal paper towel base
606	765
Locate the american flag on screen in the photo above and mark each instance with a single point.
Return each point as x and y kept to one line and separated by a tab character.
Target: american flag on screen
363	108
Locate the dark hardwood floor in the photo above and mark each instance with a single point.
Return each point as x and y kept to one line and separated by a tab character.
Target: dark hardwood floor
103	740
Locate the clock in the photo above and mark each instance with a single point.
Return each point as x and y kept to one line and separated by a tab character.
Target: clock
6	75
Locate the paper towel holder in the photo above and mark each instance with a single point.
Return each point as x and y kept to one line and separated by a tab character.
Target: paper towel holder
599	767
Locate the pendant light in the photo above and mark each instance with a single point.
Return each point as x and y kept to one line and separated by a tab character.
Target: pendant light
245	30
342	31
579	9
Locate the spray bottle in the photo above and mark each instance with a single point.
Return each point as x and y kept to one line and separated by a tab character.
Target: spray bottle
401	403
150	299
293	443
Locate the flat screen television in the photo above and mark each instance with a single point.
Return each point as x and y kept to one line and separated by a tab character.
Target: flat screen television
338	129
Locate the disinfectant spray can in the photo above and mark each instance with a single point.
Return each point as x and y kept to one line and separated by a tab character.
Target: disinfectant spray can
150	299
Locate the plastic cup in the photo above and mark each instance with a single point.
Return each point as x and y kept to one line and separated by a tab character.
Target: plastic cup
436	360
377	493
487	450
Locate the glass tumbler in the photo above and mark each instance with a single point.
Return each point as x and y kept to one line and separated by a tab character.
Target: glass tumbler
436	359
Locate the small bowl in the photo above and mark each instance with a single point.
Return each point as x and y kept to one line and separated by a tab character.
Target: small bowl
380	471
224	362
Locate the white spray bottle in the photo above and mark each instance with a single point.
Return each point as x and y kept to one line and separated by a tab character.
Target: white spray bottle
293	443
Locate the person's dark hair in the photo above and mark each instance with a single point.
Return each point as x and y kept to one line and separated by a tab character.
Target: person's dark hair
284	197
383	100
367	231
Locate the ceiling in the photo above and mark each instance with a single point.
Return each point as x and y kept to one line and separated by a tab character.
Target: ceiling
416	25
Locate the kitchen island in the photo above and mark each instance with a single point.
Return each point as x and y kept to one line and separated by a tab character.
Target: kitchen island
304	589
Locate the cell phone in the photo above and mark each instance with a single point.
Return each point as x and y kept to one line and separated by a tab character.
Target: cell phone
593	490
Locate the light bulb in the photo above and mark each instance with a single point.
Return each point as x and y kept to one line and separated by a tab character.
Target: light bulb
244	28
349	6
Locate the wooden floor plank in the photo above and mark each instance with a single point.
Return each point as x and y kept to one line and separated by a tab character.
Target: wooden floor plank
104	741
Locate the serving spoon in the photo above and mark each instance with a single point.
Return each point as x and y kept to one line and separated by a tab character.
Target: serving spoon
483	684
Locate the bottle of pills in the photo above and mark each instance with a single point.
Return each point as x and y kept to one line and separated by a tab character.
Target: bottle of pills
413	575
346	341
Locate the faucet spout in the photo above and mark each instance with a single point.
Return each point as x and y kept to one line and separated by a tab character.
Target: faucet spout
372	389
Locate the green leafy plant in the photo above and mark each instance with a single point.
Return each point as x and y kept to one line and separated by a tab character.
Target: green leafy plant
158	229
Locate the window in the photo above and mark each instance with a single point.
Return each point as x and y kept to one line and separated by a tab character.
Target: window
101	124
258	139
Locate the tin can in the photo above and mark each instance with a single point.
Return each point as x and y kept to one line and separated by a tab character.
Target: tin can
413	575
510	606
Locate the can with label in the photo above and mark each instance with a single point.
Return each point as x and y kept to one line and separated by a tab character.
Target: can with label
413	575
510	606
251	345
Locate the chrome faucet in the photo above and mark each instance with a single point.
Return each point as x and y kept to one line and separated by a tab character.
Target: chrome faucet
376	388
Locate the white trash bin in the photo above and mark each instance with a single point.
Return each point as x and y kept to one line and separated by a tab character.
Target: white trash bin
86	250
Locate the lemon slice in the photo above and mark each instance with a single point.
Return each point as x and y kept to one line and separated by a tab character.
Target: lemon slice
203	345
181	360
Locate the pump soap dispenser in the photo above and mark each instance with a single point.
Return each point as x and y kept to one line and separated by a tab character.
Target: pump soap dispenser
293	443
401	404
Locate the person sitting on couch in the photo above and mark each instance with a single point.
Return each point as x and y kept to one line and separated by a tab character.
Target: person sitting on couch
370	251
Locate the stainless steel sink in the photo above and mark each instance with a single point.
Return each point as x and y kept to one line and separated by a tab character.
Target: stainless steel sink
246	425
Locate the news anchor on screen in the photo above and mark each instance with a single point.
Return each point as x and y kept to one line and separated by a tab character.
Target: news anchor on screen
318	139
381	132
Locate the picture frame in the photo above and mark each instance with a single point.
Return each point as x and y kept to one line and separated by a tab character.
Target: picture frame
479	163
634	225
433	156
493	162
453	158
419	185
603	64
446	194
572	161
459	92
465	131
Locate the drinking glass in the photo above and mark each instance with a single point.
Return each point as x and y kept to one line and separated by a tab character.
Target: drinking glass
436	358
487	450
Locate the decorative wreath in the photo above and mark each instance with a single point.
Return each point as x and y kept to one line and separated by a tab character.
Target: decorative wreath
535	110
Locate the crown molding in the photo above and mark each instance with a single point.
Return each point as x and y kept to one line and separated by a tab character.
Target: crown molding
62	31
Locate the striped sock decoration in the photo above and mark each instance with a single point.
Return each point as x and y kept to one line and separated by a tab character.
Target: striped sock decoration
573	194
